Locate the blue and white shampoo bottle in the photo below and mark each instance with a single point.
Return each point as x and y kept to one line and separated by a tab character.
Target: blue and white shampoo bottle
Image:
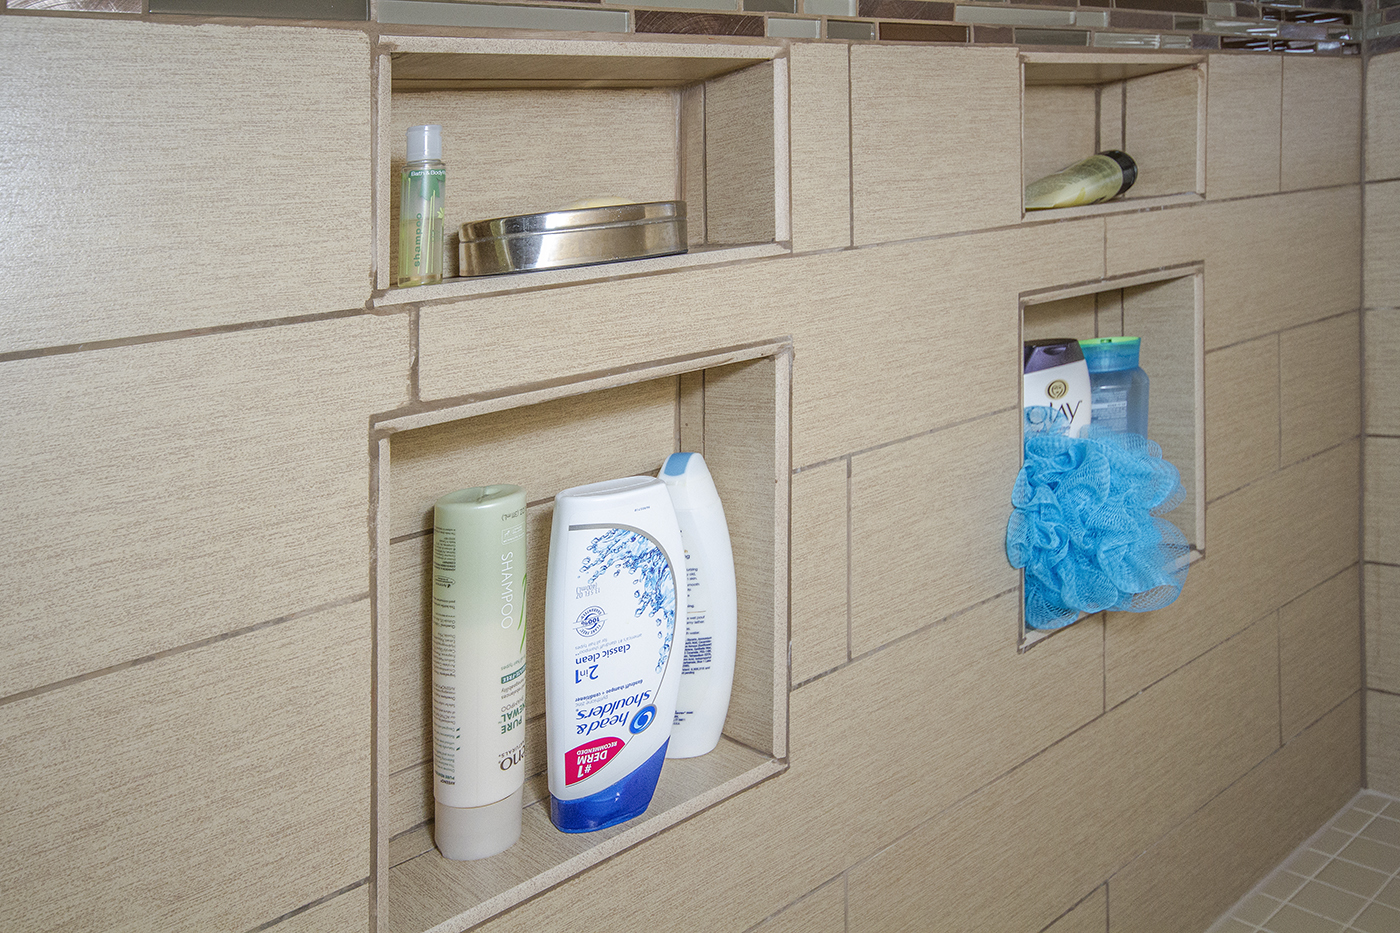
612	670
711	607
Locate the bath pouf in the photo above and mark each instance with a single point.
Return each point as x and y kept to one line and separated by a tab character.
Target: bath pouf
1087	527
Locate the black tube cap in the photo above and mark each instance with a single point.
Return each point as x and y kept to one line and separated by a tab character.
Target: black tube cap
1126	163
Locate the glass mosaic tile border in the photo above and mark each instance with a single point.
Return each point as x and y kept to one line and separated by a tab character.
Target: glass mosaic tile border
1331	27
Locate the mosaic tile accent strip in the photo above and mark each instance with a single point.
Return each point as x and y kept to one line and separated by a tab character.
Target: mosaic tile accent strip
1345	879
78	6
1335	27
267	9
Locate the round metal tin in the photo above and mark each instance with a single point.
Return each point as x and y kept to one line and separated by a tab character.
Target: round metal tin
561	239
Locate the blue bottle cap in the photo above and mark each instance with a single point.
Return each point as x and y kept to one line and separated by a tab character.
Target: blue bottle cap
1111	354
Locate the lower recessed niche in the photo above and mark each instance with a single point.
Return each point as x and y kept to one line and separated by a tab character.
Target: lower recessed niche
1163	307
732	405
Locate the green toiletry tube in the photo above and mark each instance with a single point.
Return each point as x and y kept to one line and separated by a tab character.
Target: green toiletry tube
478	669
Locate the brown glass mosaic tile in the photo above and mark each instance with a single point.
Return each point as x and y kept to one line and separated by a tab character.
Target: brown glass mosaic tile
1250	43
1137	19
770	6
1247	10
846	29
269	9
993	35
1383	45
1188	23
75	6
1197	7
906	9
1202	41
922	32
697	24
1068	37
1392	15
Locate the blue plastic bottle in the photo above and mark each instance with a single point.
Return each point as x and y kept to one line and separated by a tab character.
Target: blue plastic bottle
1118	387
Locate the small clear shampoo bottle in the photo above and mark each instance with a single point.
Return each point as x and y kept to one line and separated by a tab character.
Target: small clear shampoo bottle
1118	385
421	208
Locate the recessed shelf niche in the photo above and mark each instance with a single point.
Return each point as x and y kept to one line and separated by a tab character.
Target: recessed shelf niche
530	125
1151	106
732	405
1164	308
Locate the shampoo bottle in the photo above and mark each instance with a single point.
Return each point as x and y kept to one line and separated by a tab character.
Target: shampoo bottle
478	669
1088	181
711	607
1055	375
611	671
421	208
1117	384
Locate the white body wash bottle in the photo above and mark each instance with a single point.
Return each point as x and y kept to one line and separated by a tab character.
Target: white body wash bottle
478	669
711	607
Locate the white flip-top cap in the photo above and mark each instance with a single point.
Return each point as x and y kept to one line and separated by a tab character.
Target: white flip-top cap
425	143
689	482
464	833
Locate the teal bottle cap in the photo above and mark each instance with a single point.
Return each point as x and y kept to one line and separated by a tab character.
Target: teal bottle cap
1111	354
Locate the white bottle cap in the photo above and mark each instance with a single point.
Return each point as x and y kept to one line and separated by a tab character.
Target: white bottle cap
689	482
464	833
425	143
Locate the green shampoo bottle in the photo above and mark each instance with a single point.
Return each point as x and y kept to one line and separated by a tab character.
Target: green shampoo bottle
421	208
478	669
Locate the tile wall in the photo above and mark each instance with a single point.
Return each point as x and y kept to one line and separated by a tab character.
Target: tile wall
186	697
1314	26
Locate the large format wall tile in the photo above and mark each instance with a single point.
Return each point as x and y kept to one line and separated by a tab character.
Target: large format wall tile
180	188
1194	873
1319	386
217	788
1321	121
1271	263
172	491
1242	414
1263	551
822	911
1383	499
1089	916
1382	391
1383	742
820	114
344	913
1382	108
1244	113
1382	245
1319	636
928	527
926	170
819	570
1382	627
998	861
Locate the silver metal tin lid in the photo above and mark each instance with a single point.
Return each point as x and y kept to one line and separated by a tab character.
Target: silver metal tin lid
561	239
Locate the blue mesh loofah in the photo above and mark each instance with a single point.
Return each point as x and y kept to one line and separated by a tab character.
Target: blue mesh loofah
1086	524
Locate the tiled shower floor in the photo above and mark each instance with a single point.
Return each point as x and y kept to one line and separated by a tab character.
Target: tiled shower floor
1346	877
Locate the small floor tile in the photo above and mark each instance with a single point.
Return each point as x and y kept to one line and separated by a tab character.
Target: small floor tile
1332	903
1257	909
1378	918
1372	854
1354	878
1331	841
1390	894
1232	925
1351	821
1383	830
1292	919
1283	885
1371	803
1306	863
1392	810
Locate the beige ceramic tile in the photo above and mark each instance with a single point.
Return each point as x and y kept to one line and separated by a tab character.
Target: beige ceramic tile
1088	916
902	155
173	222
692	155
1263	552
939	501
1383	499
543	448
1103	794
820	111
171	491
1382	626
525	151
739	157
1196	871
822	911
1258	281
1320	385
218	788
1161	130
1245	94
819	570
1059	126
1242	414
1383	742
1382	244
1111	99
1065	317
344	913
1382	400
1319	637
1382	106
1321	121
